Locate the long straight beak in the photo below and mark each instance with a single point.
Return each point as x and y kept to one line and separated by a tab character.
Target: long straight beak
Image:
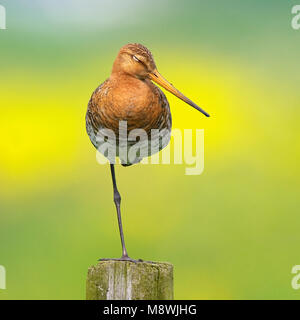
159	79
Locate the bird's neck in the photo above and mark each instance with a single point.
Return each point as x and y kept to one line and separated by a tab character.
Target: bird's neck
120	74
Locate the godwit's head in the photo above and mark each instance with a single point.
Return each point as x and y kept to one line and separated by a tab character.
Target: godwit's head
136	60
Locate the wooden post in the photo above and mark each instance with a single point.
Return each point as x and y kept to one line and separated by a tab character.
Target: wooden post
125	280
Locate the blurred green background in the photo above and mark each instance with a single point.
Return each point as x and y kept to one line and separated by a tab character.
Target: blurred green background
232	232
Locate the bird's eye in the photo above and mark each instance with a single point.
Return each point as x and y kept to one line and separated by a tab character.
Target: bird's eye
135	58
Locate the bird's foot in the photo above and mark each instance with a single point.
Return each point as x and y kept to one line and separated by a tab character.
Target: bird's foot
147	261
126	258
123	258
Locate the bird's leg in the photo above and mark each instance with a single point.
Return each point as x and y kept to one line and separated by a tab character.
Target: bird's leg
117	200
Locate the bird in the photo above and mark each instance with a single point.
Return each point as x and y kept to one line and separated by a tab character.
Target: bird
130	97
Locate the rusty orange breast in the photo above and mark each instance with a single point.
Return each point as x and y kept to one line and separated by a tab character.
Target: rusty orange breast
125	98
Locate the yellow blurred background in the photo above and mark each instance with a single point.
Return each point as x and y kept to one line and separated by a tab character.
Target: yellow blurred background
232	232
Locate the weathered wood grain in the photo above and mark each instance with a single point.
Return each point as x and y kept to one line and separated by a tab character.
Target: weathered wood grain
125	280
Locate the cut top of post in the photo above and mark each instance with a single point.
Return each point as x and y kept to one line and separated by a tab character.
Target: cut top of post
125	280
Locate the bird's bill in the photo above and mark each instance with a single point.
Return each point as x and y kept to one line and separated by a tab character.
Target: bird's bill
159	79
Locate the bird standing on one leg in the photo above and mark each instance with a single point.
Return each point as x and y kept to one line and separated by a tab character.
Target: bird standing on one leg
130	96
